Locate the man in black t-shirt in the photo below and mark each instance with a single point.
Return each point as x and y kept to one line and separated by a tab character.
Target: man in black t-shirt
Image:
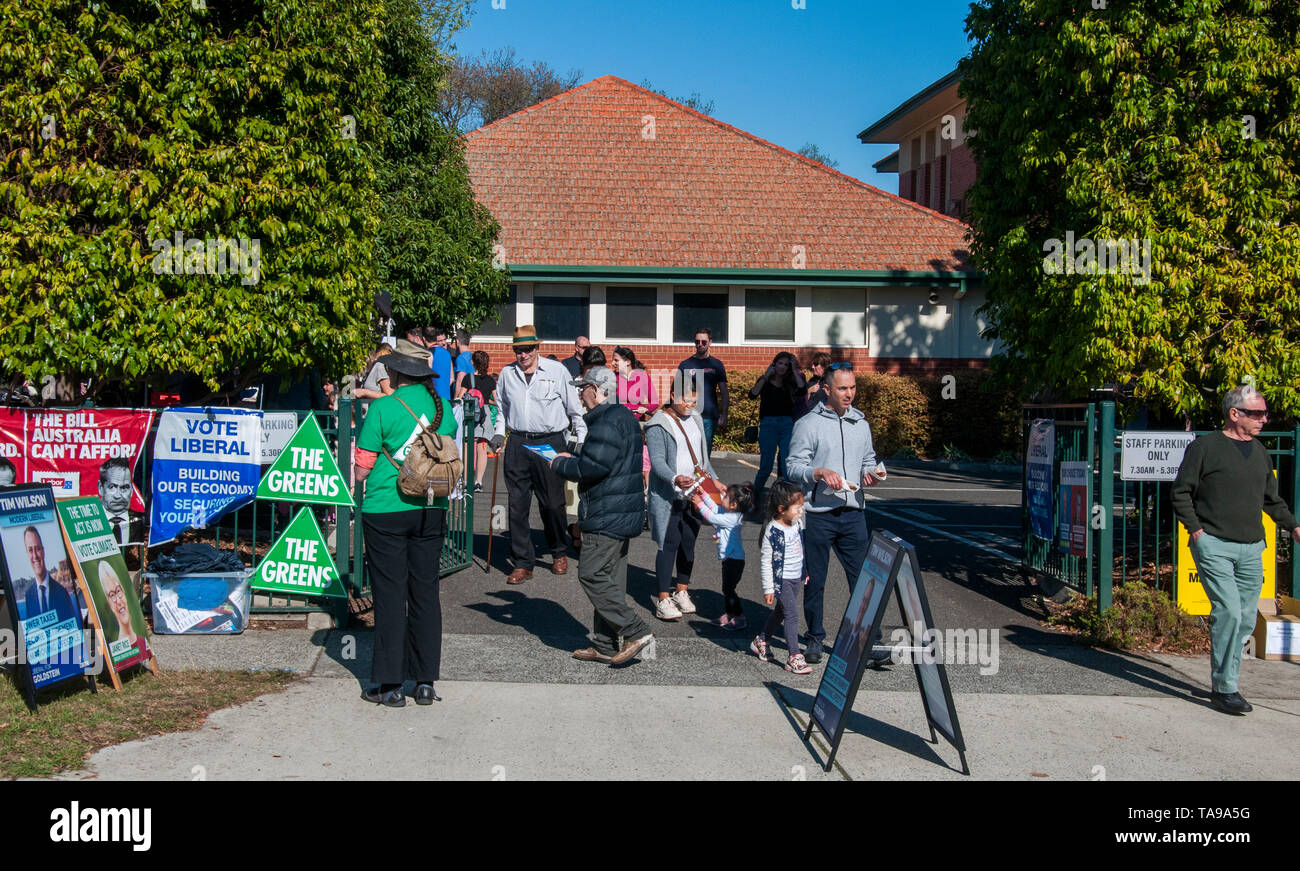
711	382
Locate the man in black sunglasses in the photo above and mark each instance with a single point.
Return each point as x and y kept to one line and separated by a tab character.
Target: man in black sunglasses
706	374
1225	482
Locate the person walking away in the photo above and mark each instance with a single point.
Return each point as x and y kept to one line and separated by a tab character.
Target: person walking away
832	459
726	519
403	535
675	436
537	407
610	508
709	379
783	574
1223	486
776	390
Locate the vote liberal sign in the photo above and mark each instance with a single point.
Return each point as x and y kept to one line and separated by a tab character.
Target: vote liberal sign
1146	455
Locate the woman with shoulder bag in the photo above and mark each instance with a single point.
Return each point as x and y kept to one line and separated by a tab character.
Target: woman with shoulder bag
679	463
403	534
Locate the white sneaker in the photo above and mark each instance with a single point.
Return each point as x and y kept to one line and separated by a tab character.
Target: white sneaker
683	600
665	609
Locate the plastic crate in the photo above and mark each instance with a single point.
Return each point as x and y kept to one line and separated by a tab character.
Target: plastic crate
200	603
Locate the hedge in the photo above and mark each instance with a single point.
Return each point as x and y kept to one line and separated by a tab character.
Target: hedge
907	413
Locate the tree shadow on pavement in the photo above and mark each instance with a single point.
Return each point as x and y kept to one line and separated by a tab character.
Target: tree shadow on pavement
549	622
1133	668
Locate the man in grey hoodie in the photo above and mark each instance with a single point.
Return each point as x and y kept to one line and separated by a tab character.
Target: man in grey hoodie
832	457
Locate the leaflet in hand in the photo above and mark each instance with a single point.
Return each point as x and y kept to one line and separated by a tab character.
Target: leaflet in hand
546	452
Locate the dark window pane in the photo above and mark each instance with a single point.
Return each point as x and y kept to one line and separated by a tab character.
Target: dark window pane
560	318
691	311
630	312
504	322
769	315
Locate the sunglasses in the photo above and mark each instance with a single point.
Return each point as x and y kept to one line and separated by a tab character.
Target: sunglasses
841	365
1254	413
525	349
702	341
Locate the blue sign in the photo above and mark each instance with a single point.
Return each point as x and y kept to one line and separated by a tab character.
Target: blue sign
1038	478
206	462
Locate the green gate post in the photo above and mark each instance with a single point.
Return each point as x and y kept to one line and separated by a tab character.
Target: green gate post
1106	541
1295	504
343	528
1090	553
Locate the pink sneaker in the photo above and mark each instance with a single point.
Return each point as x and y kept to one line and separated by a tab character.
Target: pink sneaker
758	647
737	623
723	622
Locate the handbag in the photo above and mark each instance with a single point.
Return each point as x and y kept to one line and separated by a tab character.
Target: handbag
702	480
751	434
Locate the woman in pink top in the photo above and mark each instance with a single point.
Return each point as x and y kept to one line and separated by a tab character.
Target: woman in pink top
637	392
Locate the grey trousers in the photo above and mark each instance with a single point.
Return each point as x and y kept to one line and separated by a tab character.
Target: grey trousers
602	571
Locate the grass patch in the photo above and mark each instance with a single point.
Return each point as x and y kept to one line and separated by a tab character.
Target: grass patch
71	724
1139	619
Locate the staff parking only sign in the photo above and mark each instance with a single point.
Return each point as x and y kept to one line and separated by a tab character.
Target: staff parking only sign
1146	455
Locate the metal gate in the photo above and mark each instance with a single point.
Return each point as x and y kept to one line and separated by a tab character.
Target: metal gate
1132	531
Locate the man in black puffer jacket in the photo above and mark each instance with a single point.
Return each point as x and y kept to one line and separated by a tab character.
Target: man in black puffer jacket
611	509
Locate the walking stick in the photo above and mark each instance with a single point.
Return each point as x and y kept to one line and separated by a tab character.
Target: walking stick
496	467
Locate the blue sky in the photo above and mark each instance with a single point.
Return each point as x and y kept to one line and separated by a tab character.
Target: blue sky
819	74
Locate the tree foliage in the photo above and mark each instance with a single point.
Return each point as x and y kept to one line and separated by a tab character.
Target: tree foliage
694	101
435	241
479	91
266	122
1177	123
812	152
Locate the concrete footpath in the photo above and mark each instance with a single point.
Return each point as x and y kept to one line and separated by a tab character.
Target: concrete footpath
518	708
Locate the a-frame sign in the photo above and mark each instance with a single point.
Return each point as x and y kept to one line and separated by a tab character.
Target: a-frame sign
890	567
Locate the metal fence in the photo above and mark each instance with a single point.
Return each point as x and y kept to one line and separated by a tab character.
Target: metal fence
1132	531
252	529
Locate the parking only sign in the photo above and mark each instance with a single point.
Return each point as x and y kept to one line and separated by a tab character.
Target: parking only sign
1146	455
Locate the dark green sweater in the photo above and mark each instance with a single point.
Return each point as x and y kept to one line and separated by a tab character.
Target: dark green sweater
1224	493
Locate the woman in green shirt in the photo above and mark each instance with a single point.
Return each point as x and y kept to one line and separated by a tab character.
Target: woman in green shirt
403	535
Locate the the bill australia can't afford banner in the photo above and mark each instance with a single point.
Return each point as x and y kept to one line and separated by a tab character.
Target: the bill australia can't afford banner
39	579
115	608
75	451
206	462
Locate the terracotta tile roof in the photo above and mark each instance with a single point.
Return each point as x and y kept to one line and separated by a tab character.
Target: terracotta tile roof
574	181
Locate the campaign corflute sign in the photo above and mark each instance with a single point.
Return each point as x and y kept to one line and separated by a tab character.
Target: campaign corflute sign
70	449
206	462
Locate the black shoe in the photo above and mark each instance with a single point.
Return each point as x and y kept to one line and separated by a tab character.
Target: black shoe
424	694
1230	703
879	663
813	655
389	699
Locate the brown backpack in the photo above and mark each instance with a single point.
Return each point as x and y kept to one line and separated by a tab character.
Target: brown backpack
432	466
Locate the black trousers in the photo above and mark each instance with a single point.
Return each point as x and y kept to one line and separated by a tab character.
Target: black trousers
679	546
403	557
527	473
732	571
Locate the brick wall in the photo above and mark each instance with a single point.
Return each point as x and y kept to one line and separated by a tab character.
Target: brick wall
745	357
963	172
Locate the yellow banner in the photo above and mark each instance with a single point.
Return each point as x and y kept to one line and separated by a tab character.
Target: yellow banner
1189	593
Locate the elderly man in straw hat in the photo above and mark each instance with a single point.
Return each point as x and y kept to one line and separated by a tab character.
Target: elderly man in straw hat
538	404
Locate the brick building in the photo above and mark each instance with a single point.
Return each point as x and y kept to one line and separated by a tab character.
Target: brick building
933	161
634	220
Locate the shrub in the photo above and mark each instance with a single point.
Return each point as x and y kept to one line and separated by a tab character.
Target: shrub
1139	618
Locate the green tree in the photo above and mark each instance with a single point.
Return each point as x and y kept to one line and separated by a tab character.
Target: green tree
1177	123
275	125
435	241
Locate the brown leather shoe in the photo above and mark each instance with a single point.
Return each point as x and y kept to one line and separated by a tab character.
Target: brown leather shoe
560	566
631	647
591	654
518	576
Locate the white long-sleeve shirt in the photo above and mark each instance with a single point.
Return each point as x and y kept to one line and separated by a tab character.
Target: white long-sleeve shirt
546	403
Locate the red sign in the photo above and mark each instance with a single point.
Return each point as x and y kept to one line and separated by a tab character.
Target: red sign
68	448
